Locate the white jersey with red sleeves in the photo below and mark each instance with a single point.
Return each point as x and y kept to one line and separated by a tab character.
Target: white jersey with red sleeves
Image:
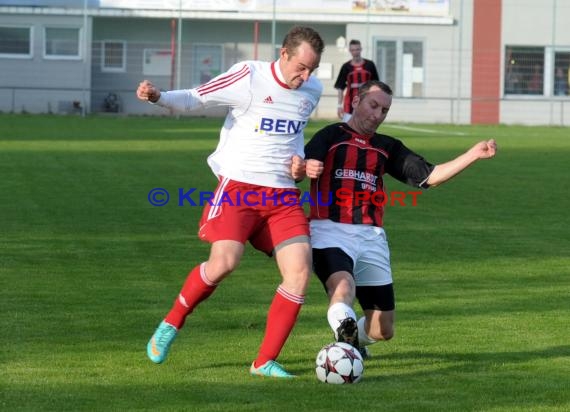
264	125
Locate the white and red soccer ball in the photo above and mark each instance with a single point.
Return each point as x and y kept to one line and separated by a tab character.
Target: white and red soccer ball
339	363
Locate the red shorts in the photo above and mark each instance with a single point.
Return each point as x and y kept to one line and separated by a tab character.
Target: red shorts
263	215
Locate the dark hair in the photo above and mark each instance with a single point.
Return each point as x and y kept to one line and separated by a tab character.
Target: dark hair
354	42
365	88
299	34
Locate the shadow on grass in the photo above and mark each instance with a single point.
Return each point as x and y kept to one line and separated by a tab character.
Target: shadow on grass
479	360
472	382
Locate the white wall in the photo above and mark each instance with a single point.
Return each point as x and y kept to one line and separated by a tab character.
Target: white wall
447	65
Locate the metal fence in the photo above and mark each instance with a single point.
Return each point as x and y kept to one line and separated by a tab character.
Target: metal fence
534	82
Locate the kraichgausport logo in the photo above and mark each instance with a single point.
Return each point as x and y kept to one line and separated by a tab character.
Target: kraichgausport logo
342	197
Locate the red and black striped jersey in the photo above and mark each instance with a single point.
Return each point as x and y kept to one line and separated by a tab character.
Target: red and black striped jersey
351	77
351	188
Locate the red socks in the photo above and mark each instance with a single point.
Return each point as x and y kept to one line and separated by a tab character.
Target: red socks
281	318
196	289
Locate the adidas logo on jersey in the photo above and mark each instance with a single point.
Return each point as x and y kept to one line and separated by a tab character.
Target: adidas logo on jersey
268	99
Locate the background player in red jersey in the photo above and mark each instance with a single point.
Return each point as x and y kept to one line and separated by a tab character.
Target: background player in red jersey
269	104
351	76
350	250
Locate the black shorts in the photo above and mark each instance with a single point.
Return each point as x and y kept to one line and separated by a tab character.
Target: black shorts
330	260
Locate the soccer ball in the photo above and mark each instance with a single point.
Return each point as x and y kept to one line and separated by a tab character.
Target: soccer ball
339	363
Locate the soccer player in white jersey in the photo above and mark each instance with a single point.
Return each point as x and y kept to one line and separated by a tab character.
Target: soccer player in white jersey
269	104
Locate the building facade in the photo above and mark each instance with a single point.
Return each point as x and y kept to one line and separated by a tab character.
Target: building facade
448	61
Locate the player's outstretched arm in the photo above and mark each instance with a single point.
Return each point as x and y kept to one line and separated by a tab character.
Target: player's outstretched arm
445	171
179	100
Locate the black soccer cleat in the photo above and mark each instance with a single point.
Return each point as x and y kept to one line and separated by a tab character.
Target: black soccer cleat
348	332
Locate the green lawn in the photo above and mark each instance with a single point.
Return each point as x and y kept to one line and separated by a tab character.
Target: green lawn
88	268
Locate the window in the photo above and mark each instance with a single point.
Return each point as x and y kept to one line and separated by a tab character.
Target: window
412	69
561	73
206	63
524	70
113	56
400	64
386	62
15	41
62	43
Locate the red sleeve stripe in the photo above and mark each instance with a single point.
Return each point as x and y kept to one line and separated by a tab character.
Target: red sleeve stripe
224	81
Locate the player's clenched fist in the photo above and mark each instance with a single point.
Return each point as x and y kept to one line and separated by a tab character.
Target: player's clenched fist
484	150
147	91
297	167
314	168
300	168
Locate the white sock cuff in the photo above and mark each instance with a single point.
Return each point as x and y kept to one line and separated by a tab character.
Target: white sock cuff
363	338
337	313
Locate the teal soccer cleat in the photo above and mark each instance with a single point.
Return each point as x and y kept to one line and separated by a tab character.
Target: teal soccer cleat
159	343
270	369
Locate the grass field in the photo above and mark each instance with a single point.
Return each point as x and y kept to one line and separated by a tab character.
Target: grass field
88	268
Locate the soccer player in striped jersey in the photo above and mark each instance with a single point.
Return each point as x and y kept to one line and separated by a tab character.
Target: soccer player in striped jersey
269	104
351	76
350	250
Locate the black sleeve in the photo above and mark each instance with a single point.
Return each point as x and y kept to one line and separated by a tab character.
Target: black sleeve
407	166
374	71
318	147
341	78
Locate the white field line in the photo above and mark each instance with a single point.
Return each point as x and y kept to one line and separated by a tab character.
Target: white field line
418	129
